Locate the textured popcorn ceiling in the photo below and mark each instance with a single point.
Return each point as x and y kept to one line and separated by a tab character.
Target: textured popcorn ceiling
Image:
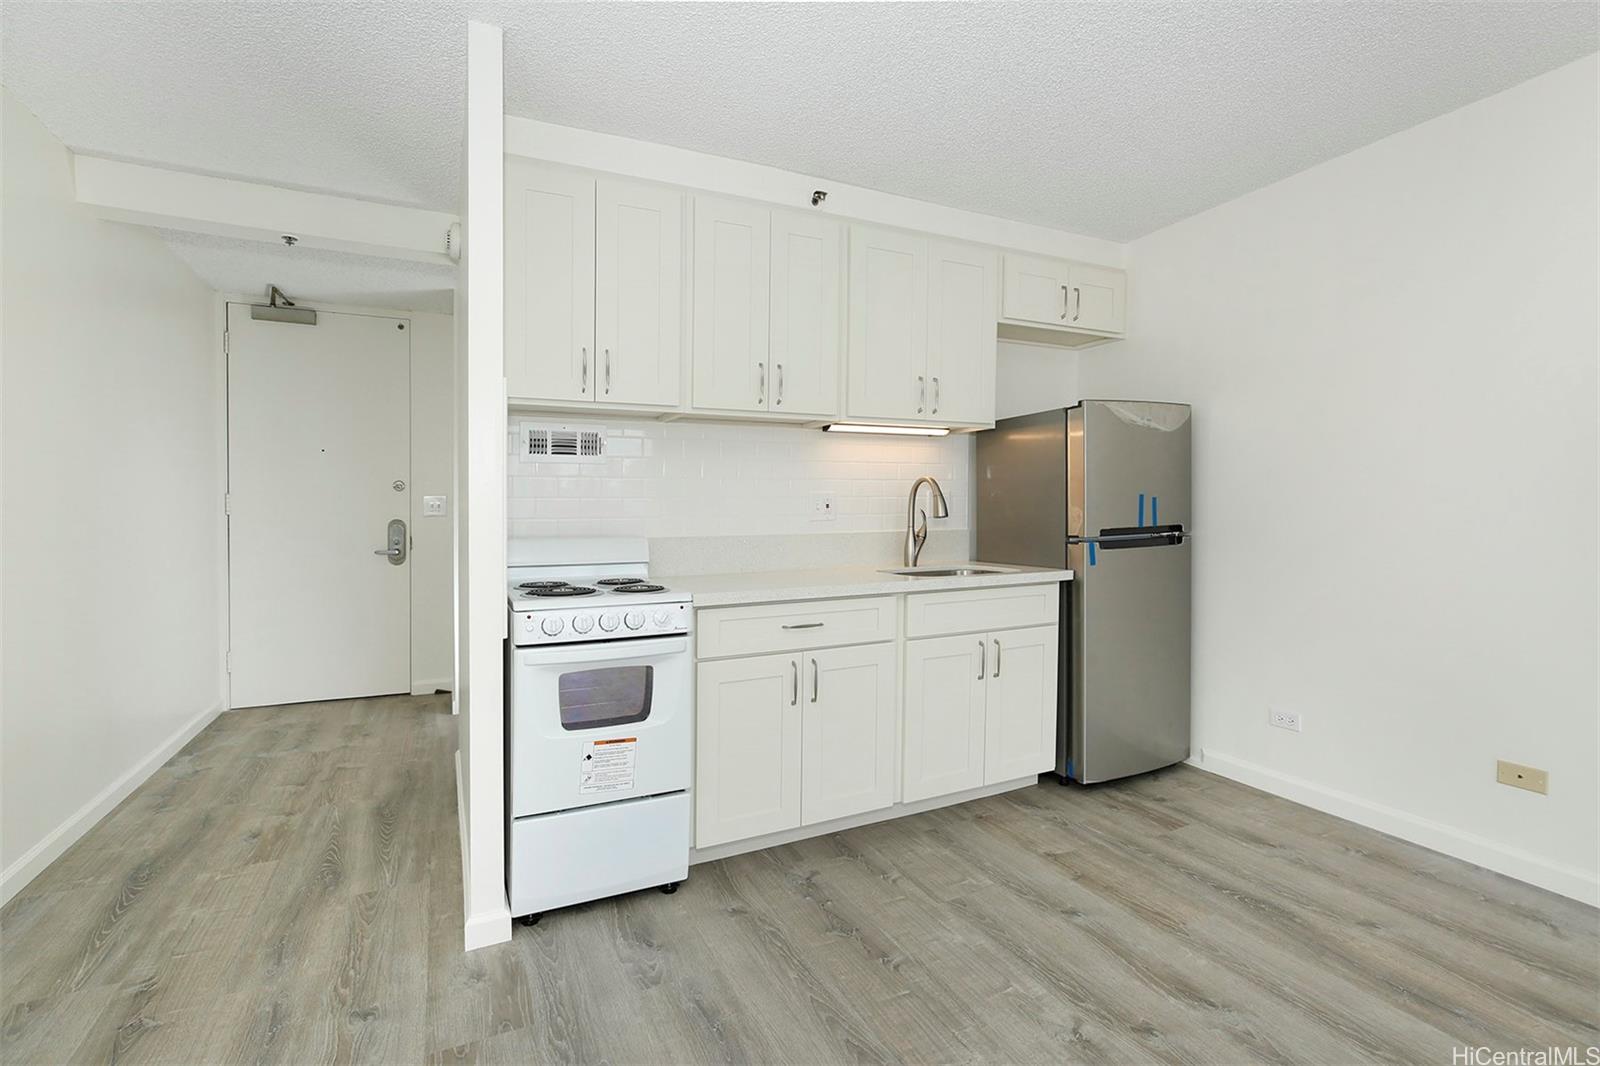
1107	119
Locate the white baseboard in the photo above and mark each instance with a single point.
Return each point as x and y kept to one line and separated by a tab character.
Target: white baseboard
491	927
58	840
428	688
1481	851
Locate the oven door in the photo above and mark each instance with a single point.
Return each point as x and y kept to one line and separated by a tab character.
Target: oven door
594	723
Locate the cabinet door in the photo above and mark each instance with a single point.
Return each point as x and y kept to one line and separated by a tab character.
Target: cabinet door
747	748
1099	298
944	730
1035	290
731	275
549	254
1021	720
805	315
638	293
848	698
888	350
961	332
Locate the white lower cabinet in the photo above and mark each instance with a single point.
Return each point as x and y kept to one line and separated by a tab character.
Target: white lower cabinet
791	734
945	678
1020	708
980	709
747	748
847	732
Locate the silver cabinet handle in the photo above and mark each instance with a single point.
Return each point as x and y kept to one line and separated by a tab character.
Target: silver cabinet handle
608	371
816	680
983	661
794	682
805	625
1066	303
997	658
780	384
935	395
585	386
761	388
1077	304
922	393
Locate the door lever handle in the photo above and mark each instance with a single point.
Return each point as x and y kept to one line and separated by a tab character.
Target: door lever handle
390	552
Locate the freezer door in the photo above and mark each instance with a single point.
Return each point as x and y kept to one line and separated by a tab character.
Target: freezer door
1129	468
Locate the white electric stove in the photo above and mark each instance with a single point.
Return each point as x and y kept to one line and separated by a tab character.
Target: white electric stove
598	723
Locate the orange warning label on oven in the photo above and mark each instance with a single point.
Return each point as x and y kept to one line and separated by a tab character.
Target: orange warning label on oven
617	740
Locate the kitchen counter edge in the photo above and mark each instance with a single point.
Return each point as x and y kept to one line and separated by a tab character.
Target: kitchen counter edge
788	586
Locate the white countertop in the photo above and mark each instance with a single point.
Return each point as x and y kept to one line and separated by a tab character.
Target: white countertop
777	586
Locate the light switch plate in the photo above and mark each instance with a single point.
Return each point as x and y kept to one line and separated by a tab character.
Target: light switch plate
433	505
1518	776
823	507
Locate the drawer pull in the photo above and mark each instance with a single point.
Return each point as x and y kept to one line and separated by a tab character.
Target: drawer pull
806	625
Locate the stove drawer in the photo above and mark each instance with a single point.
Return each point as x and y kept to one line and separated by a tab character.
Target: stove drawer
777	627
593	852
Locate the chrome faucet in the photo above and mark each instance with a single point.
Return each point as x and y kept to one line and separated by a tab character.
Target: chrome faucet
917	534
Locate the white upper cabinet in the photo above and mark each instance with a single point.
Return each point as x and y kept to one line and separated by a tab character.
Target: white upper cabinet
805	315
638	293
732	246
1099	298
1076	302
549	282
594	288
922	329
766	310
961	332
888	347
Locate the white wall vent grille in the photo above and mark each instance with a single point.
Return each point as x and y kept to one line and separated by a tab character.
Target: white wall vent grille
561	443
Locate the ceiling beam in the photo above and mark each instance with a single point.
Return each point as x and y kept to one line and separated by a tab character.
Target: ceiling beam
199	203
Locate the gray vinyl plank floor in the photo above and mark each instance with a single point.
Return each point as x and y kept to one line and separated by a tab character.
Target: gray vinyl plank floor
287	890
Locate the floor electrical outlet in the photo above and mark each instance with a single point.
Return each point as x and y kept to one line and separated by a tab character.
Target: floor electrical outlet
1518	776
1284	720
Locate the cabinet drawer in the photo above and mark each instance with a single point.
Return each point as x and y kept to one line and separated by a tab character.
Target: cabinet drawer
775	627
930	614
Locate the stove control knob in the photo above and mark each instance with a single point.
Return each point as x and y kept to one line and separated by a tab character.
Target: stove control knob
663	618
551	626
583	623
608	621
633	619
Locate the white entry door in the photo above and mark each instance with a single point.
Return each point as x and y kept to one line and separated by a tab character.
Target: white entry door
318	467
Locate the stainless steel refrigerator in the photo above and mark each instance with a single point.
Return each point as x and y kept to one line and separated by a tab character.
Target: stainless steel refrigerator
1103	489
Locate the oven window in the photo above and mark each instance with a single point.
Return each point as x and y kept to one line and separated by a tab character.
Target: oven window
610	695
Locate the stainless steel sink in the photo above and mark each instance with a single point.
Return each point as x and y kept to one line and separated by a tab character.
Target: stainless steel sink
943	571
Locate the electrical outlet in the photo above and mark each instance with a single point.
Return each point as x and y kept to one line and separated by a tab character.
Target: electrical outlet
823	507
1518	776
1283	719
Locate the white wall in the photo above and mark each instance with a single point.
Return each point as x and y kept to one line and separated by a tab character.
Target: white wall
432	474
1392	359
1030	378
480	492
112	572
693	479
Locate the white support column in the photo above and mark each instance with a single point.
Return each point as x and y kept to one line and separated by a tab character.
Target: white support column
481	551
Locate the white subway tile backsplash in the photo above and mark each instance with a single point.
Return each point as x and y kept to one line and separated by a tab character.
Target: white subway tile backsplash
681	479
